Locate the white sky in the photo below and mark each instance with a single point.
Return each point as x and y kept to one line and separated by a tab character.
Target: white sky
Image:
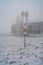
10	9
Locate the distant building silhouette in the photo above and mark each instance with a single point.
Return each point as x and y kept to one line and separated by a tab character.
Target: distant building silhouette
33	28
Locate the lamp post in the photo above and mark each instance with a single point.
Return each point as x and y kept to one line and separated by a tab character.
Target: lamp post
26	16
22	14
25	26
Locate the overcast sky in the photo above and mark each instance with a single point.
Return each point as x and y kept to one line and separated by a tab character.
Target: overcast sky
10	9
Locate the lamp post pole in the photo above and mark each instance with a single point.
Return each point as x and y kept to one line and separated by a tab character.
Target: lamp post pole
25	26
25	34
24	40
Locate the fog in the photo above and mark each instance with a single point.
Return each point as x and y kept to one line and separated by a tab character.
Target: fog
10	9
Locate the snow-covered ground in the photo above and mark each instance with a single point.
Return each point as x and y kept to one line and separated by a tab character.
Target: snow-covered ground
12	51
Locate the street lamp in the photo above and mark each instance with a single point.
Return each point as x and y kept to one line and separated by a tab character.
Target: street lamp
25	26
22	14
26	16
